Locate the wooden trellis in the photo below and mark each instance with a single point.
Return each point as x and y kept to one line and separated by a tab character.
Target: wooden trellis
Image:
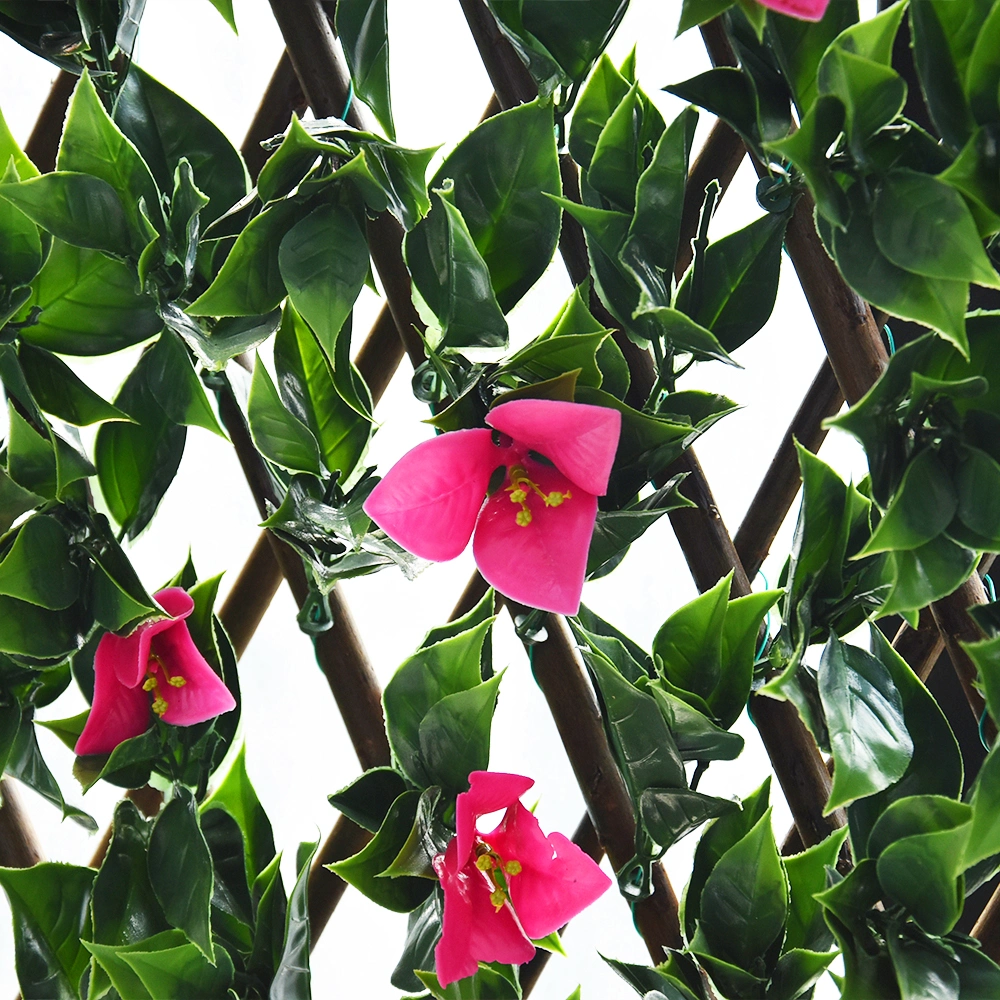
311	74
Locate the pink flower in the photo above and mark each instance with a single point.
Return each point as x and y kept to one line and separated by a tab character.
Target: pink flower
157	667
506	888
804	10
533	534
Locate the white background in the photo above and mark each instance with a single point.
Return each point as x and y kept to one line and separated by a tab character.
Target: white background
297	749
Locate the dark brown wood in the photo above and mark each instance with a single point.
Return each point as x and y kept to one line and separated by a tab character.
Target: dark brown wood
251	595
510	77
42	146
326	888
563	682
921	646
282	98
147	799
780	484
19	847
380	353
987	928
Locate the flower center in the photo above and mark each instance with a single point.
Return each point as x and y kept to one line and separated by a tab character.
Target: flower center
154	668
496	870
521	486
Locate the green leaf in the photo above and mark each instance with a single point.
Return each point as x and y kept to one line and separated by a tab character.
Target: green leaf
923	225
631	660
668	814
235	794
740	638
28	630
923	507
60	391
695	12
249	282
807	875
166	129
502	172
614	169
401	894
723	834
685	335
984	837
279	434
982	75
77	208
928	573
270	904
969	173
986	656
367	799
744	902
21	254
486	984
650	249
696	736
362	26
89	304
451	280
604	92
137	462
428	838
176	387
180	870
649	982
37	567
796	971
738	282
51	908
728	93
225	8
485	609
9	148
643	745
864	712
92	144
422	935
615	531
546	359
423	680
920	844
455	735
324	263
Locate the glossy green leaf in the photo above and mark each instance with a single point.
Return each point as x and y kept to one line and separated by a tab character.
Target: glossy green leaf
92	144
604	92
137	462
926	574
9	148
401	894
727	93
668	814
362	26
696	736
166	129
807	875
89	304
77	208
982	75
21	253
50	903
60	391
864	712
546	359
427	677
423	932
367	799
278	433
614	169
455	735
695	12
969	173
924	505
924	226
225	8
269	902
796	971
723	834
984	837
486	984
684	335
176	387
249	283
744	902
235	794
502	172
452	280
37	567
180	869
484	609
631	660
986	656
28	630
734	294
232	908
615	531
180	971
428	837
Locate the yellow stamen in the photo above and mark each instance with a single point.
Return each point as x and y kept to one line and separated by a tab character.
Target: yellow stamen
513	867
498	897
485	863
523	517
518	490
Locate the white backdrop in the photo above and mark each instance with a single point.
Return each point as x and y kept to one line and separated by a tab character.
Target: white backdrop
297	749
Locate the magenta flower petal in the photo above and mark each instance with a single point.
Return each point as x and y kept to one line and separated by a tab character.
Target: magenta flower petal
202	695
580	439
428	501
543	563
119	711
557	879
488	792
131	652
804	10
474	930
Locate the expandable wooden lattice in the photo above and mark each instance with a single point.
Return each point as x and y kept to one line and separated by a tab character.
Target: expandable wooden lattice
311	74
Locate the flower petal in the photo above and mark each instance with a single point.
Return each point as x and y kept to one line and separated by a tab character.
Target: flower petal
428	501
579	438
119	712
130	653
541	564
557	879
474	930
203	694
488	792
804	10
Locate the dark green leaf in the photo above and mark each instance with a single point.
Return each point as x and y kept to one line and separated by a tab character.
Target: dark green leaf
401	894
37	567
21	254
487	984
683	334
645	980
926	574
292	977
176	387
727	93
279	434
362	26
51	907
807	875
60	391
604	92
668	814
367	799
696	736
268	896
180	869
796	971
28	630
231	903
422	935
180	972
